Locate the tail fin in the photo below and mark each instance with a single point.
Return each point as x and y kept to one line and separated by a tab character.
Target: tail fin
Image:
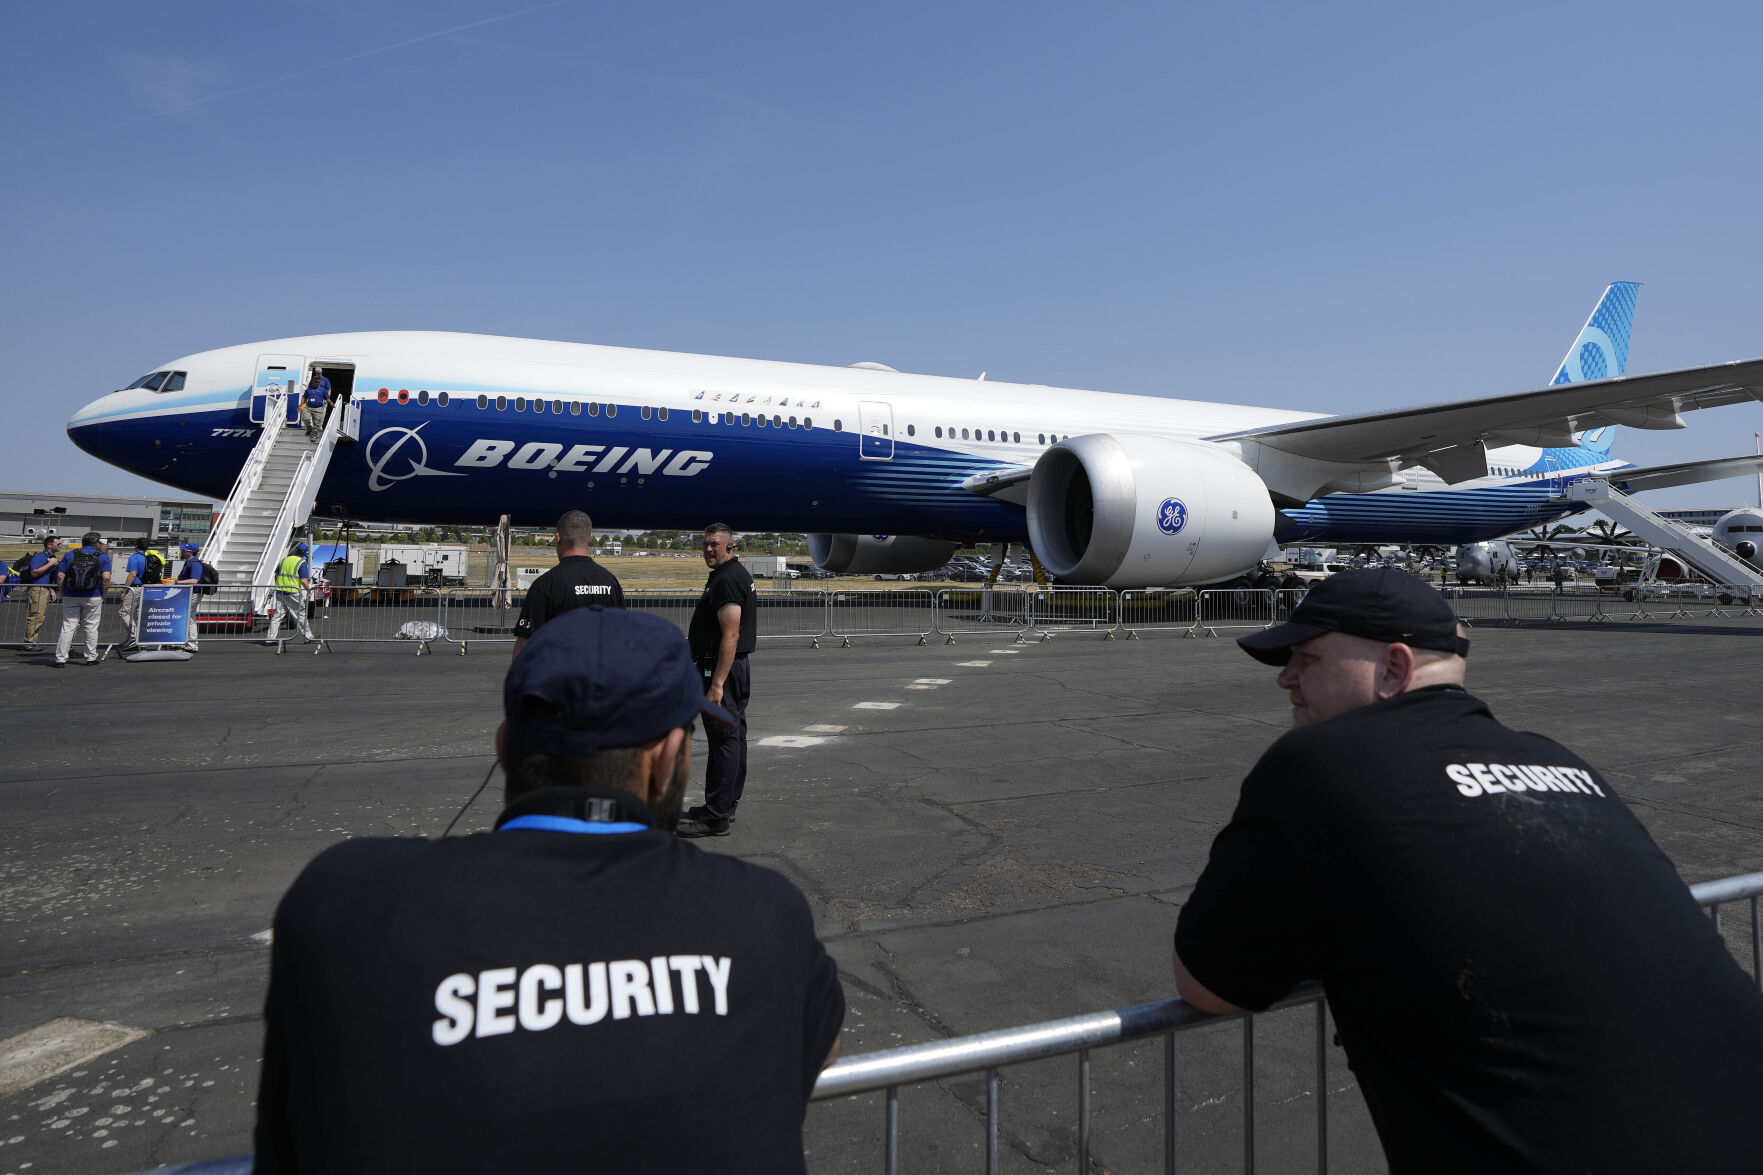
1601	350
1598	440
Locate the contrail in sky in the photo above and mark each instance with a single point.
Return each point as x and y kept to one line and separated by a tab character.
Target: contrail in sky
312	69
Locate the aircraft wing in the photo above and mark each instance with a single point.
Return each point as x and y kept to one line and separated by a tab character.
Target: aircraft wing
1451	439
1659	477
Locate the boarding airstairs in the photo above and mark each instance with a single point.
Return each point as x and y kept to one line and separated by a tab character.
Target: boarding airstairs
1719	565
272	496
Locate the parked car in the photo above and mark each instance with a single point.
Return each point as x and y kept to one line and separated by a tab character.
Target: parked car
896	575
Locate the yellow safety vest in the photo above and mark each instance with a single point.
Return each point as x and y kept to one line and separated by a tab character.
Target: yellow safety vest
287	576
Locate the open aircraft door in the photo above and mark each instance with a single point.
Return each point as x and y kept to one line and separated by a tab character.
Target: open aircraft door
876	424
278	373
351	429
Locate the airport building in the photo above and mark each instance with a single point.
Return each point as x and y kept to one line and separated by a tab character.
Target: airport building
25	515
1703	516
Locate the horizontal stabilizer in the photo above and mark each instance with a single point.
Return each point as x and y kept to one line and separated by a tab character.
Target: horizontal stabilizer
1684	473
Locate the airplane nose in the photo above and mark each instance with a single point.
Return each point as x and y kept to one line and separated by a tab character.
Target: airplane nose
86	428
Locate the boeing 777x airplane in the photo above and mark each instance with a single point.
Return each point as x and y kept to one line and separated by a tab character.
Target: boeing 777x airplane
890	471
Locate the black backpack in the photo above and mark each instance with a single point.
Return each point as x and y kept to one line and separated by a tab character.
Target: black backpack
84	573
210	578
155	569
21	566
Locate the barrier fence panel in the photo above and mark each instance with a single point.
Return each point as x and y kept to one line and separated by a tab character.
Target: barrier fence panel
1486	605
676	604
1235	608
474	615
793	614
1159	610
15	608
353	615
880	612
230	612
1053	610
983	609
990	1052
1285	599
1530	604
1581	602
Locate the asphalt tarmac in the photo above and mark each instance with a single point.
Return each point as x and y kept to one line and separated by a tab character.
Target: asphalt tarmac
990	834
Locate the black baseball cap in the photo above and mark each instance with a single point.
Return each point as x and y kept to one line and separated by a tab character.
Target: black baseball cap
1377	603
615	678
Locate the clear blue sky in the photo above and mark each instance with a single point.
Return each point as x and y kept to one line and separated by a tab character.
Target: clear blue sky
1337	208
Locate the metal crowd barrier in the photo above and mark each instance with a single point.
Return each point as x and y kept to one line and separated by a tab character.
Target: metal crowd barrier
15	614
1284	600
475	615
880	612
1159	610
794	614
981	610
990	1052
891	1069
1053	610
1235	608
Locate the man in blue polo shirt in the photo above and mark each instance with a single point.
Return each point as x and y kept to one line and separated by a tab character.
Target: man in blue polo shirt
132	573
612	997
39	575
313	399
191	575
83	576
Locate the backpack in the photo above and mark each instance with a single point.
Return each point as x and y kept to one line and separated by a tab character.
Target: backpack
154	572
210	578
83	574
21	566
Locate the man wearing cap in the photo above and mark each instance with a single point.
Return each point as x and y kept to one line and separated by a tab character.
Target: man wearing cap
290	594
575	990
190	575
1519	977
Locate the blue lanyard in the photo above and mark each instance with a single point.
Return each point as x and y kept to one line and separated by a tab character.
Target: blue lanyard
570	824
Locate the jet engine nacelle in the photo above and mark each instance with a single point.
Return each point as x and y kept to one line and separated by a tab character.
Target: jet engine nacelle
1136	511
871	554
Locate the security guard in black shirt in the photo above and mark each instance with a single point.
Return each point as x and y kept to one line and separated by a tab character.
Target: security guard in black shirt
576	582
1519	977
577	990
725	627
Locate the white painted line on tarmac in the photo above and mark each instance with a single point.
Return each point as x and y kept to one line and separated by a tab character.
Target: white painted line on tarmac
266	937
915	685
933	681
54	1048
972	664
790	740
876	706
1007	652
824	728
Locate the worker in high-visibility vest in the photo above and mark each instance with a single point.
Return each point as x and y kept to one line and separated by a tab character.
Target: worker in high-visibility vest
290	594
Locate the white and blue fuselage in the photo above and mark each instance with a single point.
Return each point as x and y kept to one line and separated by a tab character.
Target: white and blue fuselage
461	429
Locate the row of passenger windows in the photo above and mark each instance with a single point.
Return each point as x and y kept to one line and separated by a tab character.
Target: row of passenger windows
594	408
745	420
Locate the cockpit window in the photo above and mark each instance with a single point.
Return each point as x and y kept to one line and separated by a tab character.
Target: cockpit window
175	383
150	381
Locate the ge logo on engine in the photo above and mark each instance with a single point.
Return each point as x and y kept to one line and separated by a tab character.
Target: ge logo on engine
1172	516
